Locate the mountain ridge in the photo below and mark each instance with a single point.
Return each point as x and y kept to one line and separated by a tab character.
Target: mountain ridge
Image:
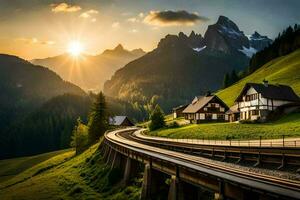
180	67
87	71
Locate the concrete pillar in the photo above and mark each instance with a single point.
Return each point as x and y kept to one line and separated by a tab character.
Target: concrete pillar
145	195
116	160
110	156
131	170
152	182
220	195
105	152
176	190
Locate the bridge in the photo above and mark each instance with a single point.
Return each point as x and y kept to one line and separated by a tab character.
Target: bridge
190	174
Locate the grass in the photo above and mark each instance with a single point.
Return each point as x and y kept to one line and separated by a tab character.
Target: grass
283	70
12	167
288	125
67	176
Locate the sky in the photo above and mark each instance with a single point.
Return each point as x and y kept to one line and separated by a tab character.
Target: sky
44	28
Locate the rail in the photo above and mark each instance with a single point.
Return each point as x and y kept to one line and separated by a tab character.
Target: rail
285	187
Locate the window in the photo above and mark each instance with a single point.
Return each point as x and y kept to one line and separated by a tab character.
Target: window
214	116
222	109
255	112
251	97
205	109
208	116
221	116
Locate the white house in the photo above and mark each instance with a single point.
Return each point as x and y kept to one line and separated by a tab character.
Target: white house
257	101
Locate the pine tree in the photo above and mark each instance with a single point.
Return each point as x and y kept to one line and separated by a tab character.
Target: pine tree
226	81
234	77
157	119
98	119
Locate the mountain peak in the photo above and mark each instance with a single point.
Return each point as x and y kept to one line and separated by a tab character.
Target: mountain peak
256	34
192	34
225	22
222	19
119	47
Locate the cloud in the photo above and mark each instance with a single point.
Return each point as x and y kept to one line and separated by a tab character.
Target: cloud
35	41
115	25
133	20
88	13
64	7
173	18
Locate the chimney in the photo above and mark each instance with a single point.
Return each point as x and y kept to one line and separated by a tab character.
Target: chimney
266	83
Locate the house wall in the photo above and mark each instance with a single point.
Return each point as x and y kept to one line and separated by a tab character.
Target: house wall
258	108
212	111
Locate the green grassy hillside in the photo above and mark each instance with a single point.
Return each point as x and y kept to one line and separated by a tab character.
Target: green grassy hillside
288	125
283	70
11	167
66	176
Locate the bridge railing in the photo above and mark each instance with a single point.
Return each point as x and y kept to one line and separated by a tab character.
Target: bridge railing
280	142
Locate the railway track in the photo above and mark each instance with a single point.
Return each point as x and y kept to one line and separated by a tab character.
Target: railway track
126	141
280	157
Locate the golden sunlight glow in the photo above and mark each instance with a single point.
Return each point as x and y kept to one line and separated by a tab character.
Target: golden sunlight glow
75	48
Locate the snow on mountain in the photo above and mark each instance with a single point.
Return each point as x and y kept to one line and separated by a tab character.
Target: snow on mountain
248	51
198	49
231	32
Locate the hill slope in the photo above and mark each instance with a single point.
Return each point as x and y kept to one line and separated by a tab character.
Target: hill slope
24	87
90	72
282	70
66	176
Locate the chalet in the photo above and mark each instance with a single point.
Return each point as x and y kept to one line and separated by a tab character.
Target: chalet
120	121
177	112
205	109
256	101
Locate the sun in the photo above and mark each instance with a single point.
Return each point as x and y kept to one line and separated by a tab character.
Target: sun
75	48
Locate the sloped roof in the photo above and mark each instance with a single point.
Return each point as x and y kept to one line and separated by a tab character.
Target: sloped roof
197	104
117	120
181	106
278	92
233	109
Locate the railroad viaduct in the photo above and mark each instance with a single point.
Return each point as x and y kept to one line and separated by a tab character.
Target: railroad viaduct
189	176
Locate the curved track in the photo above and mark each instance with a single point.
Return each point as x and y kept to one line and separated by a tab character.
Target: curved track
290	189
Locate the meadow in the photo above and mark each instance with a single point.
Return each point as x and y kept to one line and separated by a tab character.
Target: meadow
288	125
66	176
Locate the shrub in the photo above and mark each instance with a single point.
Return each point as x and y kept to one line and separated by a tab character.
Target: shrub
79	139
157	119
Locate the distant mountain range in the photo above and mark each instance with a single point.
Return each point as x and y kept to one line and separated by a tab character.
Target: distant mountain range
24	87
183	66
90	72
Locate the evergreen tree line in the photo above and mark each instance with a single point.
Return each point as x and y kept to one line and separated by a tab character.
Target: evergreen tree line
230	78
285	43
50	126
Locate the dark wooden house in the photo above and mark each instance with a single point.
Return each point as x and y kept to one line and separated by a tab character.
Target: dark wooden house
209	108
177	112
120	121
